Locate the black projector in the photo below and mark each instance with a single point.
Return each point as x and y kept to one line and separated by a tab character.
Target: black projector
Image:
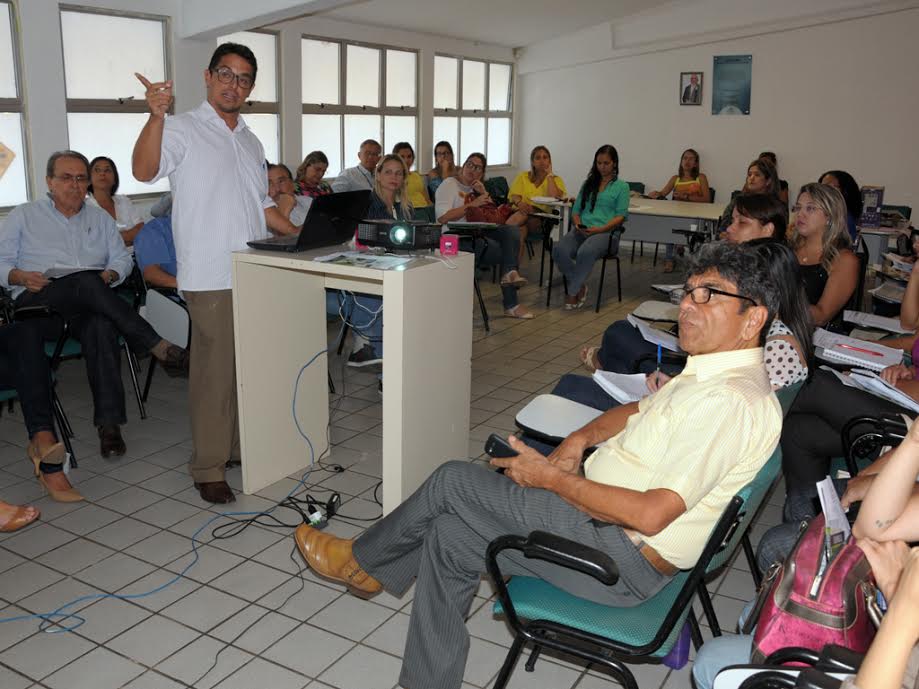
399	234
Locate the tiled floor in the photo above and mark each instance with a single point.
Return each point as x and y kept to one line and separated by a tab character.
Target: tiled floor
248	615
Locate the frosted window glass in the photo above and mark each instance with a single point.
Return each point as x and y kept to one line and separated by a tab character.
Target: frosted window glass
473	85
446	129
499	87
320	70
112	135
323	133
363	78
445	69
102	52
400	78
13	189
359	128
265	47
472	136
499	141
7	65
399	128
265	126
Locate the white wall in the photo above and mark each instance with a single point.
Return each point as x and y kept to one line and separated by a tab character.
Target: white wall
833	95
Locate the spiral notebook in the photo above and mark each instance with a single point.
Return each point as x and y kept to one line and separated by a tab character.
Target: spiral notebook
870	355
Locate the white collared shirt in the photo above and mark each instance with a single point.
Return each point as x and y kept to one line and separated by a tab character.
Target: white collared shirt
219	184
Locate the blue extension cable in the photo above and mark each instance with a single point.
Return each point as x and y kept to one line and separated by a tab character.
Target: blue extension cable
57	617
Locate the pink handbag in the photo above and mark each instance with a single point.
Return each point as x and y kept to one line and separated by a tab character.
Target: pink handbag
836	610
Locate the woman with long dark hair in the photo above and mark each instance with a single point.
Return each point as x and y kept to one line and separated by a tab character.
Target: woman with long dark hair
601	207
851	193
444	166
104	182
762	178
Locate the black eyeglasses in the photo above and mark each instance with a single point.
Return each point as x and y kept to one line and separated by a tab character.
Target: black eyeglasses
703	294
70	179
225	75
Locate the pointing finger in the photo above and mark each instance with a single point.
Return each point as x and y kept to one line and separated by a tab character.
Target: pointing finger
142	79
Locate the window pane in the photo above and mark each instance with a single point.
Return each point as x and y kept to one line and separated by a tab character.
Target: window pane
113	135
400	78
265	47
96	47
473	85
499	87
359	128
399	128
499	141
13	190
363	78
446	129
472	136
265	127
445	81
7	65
323	133
320	70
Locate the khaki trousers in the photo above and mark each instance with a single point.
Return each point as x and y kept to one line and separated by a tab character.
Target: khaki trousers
212	385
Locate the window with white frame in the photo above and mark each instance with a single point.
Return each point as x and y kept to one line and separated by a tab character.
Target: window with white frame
106	107
261	110
353	92
14	188
472	107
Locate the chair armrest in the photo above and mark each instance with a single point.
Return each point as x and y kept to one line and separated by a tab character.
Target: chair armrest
834	658
793	654
814	679
560	551
24	313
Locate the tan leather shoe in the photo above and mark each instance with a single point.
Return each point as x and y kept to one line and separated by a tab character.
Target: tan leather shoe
331	557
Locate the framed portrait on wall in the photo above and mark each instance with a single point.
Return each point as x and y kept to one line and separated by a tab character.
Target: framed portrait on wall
732	76
690	88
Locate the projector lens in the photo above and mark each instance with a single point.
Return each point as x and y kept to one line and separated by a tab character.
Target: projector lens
398	235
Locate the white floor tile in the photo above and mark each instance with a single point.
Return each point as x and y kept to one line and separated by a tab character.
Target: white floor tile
363	668
254	629
351	617
204	662
43	654
325	649
261	673
154	640
204	608
98	669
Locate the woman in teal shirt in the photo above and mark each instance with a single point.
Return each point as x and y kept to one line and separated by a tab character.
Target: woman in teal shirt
601	207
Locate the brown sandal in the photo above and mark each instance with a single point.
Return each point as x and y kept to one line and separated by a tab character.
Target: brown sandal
589	358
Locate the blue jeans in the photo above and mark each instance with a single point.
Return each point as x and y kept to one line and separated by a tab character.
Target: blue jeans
583	389
363	313
716	654
576	253
500	247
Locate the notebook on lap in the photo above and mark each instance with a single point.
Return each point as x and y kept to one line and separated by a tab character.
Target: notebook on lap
330	220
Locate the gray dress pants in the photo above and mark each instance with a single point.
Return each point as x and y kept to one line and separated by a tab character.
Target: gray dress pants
439	536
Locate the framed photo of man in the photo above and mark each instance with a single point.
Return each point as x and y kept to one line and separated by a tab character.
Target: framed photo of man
690	88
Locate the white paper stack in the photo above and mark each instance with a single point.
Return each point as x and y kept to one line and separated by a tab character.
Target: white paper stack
871	320
622	387
655	336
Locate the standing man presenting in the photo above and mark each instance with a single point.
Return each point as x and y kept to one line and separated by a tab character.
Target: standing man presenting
217	172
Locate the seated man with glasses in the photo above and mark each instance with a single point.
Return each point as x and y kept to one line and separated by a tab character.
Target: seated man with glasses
360	176
65	254
663	472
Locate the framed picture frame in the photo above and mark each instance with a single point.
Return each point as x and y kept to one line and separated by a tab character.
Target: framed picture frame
690	88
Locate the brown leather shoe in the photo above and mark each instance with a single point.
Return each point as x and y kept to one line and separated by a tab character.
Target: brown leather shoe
110	441
176	362
216	491
331	557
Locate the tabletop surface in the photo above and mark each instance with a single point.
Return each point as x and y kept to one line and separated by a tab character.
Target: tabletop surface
676	209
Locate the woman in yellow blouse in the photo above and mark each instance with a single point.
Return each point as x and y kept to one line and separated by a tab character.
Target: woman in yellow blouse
539	181
416	189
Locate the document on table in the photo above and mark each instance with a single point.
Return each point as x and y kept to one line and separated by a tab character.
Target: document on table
55	272
860	352
889	291
871	320
877	386
624	388
655	336
362	260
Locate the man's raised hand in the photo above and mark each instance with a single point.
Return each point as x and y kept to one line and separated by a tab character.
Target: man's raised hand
158	95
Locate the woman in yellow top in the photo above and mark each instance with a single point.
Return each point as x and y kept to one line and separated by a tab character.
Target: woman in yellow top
539	181
416	188
687	185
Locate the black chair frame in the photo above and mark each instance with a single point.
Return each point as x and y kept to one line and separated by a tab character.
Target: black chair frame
608	256
862	436
611	653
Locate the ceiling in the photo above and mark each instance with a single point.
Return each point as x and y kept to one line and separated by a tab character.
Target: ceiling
511	23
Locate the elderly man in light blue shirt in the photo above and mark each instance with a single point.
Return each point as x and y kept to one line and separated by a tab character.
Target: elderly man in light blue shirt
360	176
64	254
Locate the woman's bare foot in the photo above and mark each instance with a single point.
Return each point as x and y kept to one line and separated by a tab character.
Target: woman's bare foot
14	517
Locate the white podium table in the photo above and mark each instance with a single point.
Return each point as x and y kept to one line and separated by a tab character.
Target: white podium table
279	315
653	220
